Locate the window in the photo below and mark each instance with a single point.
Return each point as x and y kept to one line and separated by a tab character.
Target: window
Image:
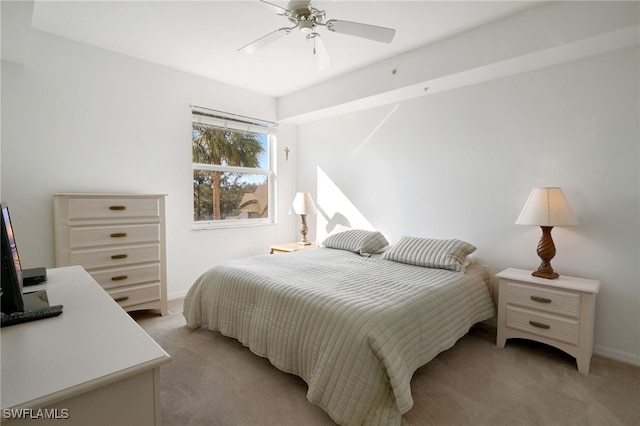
233	178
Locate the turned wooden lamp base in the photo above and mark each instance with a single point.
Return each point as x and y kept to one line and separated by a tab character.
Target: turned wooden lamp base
303	231
546	250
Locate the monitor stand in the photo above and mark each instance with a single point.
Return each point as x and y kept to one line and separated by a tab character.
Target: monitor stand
35	300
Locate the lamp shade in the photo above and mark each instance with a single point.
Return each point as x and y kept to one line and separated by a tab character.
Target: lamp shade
303	203
546	207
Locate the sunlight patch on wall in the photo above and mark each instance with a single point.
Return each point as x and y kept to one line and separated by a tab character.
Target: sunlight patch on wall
335	208
374	131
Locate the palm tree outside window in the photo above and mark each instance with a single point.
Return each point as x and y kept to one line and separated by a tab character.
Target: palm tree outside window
233	178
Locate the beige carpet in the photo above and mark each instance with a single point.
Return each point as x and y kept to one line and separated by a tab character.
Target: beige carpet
215	380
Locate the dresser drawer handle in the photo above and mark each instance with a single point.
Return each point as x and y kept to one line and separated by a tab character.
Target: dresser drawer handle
539	325
118	234
117	207
119	256
540	299
119	278
121	299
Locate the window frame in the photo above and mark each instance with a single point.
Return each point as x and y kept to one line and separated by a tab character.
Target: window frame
243	124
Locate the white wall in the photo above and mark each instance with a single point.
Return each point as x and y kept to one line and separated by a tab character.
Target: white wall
76	118
461	164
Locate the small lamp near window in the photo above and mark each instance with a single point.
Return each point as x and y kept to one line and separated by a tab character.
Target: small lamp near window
303	205
546	207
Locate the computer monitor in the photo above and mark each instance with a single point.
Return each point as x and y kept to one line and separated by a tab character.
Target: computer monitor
11	298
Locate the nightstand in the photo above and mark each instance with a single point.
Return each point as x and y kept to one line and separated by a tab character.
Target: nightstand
289	247
558	312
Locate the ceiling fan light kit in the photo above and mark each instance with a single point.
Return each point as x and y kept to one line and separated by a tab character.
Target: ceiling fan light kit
307	18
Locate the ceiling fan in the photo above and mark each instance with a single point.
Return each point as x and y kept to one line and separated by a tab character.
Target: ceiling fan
307	19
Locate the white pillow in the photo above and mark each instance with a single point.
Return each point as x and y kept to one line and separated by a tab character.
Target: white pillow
359	241
431	253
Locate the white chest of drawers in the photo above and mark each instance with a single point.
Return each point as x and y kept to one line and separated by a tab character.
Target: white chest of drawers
558	312
120	240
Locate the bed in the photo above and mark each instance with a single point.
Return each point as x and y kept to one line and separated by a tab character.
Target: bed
354	325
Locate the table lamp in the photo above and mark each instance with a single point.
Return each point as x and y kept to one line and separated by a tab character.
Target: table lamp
303	205
546	207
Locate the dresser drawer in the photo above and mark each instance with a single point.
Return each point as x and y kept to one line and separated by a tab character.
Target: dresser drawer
108	208
136	295
551	326
115	256
82	237
544	299
122	277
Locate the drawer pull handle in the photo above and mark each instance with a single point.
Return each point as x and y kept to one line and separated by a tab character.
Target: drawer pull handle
119	278
119	256
540	299
539	325
118	234
121	299
117	207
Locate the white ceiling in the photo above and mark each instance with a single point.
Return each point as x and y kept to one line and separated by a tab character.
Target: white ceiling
202	37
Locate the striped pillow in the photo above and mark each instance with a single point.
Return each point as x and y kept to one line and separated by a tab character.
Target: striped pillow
431	253
357	240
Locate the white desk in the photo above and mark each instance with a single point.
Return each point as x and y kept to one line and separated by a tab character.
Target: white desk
93	363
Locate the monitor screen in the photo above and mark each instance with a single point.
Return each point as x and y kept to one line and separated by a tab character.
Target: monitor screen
11	269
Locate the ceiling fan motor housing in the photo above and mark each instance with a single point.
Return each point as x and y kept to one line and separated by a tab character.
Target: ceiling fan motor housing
299	7
304	15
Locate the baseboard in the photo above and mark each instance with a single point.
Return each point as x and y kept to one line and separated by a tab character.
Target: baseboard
177	295
617	355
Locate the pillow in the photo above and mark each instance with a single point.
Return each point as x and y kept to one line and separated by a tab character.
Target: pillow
431	253
357	240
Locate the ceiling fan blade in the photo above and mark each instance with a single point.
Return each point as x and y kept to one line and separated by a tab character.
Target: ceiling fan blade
372	32
272	7
264	40
323	61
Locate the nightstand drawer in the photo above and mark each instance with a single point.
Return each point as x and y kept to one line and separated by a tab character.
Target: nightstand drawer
122	277
116	256
136	295
543	299
82	237
541	324
102	208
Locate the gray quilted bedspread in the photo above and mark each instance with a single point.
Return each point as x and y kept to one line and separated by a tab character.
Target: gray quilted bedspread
354	328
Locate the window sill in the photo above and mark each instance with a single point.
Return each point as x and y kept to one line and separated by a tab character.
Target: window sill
202	226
